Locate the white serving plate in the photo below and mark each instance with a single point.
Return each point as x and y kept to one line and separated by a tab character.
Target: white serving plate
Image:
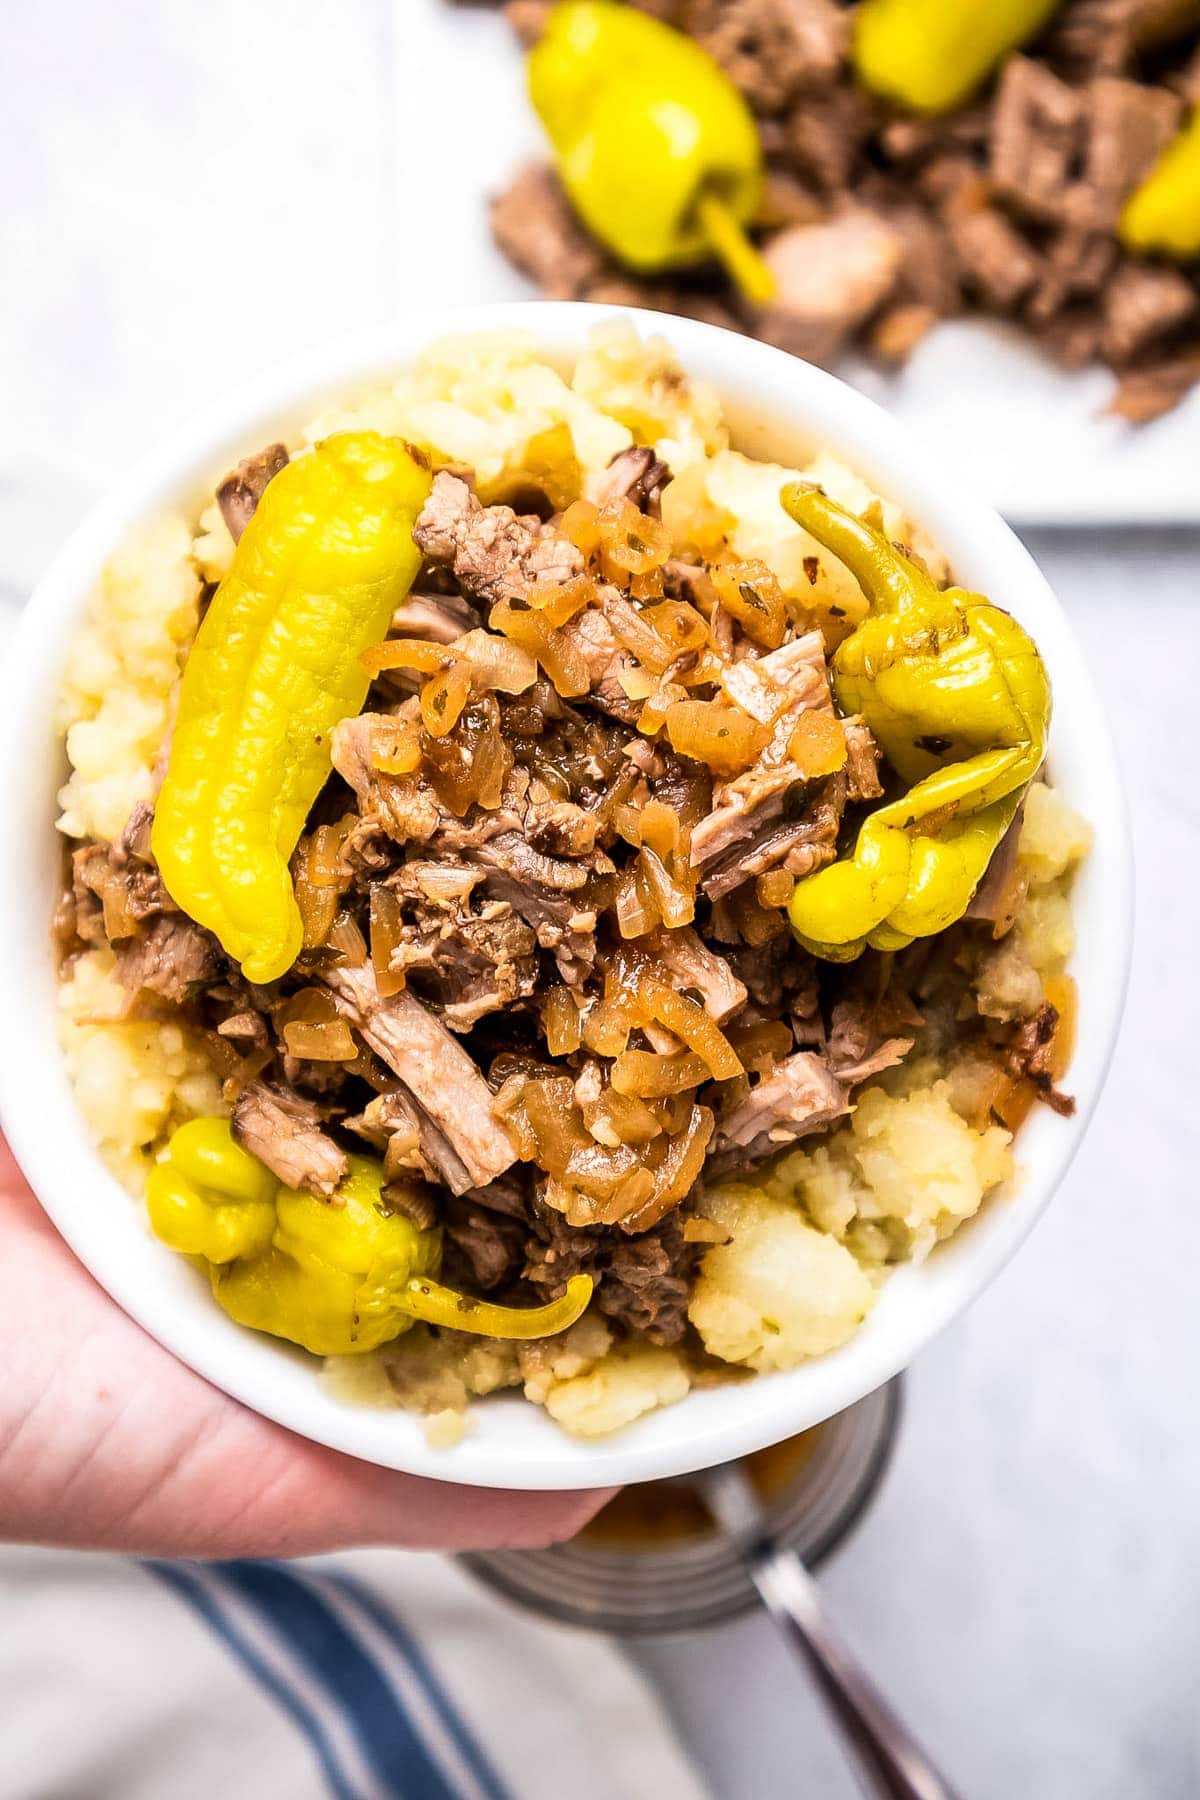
1047	455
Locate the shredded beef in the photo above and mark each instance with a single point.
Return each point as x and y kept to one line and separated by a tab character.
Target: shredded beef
459	1135
239	494
494	552
170	956
800	1096
1030	1057
635	474
284	1130
877	224
643	1281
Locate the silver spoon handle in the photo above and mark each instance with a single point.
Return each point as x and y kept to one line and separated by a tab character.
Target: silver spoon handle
889	1760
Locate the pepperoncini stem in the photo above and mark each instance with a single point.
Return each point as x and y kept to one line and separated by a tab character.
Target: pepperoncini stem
1163	213
889	581
931	55
734	251
438	1305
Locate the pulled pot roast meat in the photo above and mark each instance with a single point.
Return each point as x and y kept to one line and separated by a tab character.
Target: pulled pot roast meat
546	964
877	225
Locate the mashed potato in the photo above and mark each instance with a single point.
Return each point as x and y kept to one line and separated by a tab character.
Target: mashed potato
779	1290
121	670
803	1244
135	1080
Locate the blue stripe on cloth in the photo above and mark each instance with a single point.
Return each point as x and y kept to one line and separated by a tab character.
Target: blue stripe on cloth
400	1758
183	1581
410	1650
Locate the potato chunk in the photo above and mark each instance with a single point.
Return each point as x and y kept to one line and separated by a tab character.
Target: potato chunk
778	1291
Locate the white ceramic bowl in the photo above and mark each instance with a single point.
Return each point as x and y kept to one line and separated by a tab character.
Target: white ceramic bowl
780	408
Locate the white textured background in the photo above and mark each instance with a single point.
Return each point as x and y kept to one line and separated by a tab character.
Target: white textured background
191	187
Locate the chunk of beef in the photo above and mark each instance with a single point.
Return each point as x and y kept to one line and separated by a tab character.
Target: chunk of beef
495	553
1142	304
1129	123
403	805
285	1131
483	1249
690	964
438	618
743	805
857	1044
590	633
467	1145
773	49
239	494
1146	392
862	761
642	1281
635	474
465	961
800	846
1036	136
994	261
1030	1057
648	1281
829	278
114	893
824	136
534	226
546	893
170	956
799	1097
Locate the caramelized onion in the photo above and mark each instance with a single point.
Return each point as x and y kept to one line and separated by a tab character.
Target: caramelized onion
693	1026
386	929
331	1042
443	698
750	591
646	1076
630	542
674	903
714	734
406	653
817	746
562	1025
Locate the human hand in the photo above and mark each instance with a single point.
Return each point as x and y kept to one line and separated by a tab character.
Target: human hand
108	1443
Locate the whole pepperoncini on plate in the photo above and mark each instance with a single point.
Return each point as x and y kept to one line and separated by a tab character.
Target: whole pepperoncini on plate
275	666
1163	214
657	149
931	55
335	1276
959	701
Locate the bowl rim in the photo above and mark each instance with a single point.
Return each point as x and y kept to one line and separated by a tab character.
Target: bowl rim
514	1444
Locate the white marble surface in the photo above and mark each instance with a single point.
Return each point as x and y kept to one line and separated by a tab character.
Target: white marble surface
176	206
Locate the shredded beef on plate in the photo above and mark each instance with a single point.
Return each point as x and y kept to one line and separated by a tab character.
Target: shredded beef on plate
876	225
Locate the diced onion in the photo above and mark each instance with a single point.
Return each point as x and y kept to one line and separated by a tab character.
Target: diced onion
714	734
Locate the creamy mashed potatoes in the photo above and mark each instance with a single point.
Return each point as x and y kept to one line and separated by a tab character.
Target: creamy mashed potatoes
796	1251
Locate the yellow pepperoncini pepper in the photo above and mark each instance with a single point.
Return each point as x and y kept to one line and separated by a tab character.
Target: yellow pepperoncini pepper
657	149
1163	214
959	701
275	666
336	1276
931	55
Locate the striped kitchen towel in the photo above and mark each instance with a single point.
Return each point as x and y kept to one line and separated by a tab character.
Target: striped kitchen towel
363	1676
